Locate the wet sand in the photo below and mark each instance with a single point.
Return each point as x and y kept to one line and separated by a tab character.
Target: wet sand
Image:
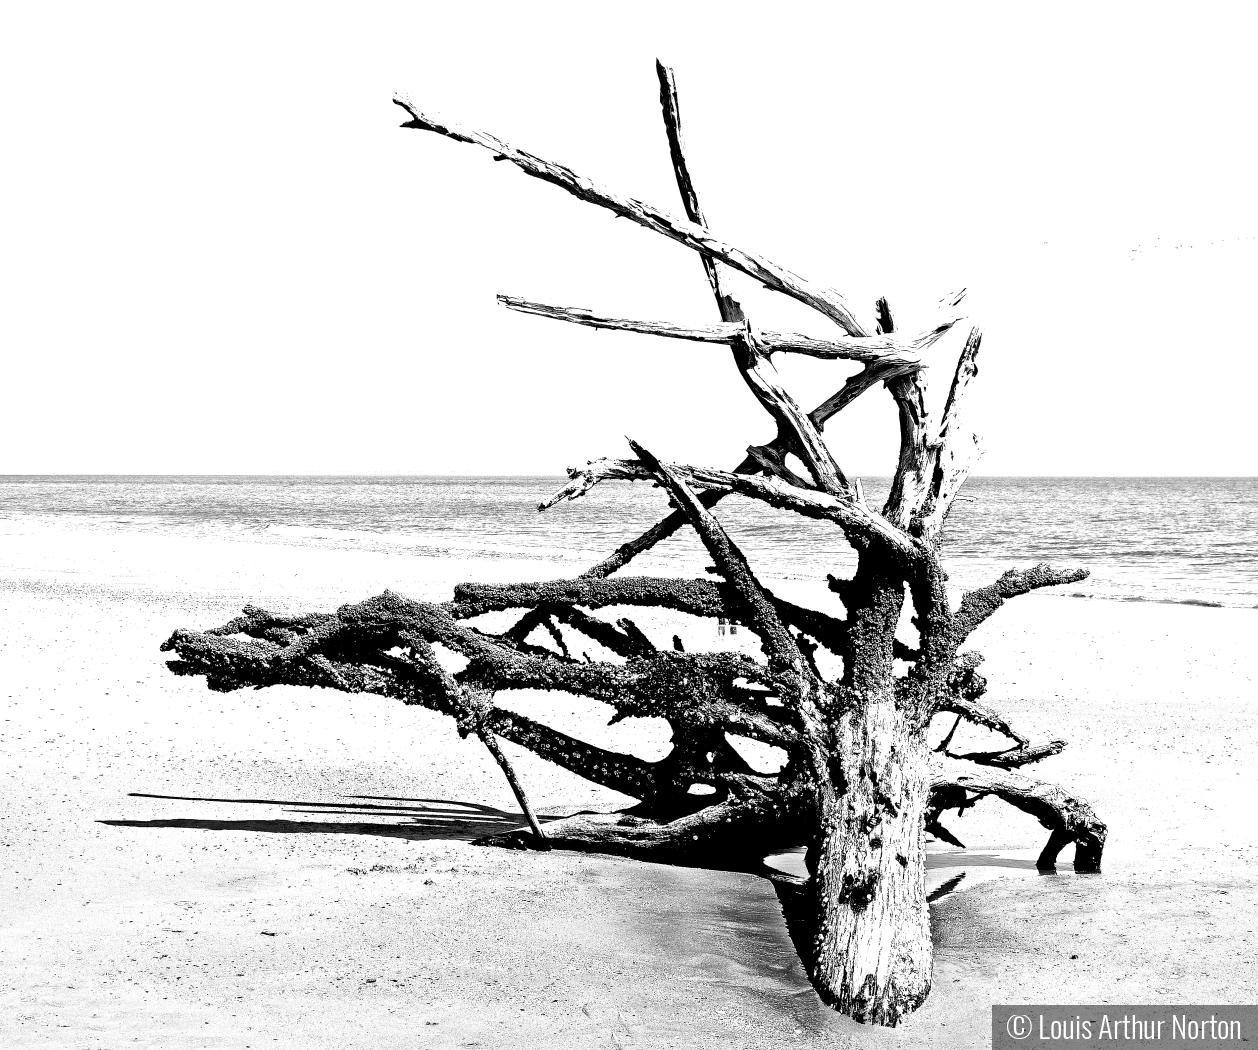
292	868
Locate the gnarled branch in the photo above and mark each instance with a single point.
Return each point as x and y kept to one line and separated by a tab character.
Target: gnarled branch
1069	818
825	300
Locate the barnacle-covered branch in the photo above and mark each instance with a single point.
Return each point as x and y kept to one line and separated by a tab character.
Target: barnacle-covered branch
977	605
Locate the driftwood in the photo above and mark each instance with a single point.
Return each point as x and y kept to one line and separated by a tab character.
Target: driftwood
860	787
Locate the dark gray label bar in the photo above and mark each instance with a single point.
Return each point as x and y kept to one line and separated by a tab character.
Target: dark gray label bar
1124	1027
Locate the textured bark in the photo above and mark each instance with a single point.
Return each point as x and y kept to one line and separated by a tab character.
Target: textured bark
1068	818
860	787
797	431
978	605
471	713
826	301
873	949
876	349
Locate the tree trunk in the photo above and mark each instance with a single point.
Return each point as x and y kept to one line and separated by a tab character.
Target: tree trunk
872	945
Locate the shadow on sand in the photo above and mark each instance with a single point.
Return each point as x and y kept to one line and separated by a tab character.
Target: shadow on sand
747	943
401	818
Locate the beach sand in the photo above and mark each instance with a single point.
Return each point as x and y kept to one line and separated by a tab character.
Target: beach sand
292	868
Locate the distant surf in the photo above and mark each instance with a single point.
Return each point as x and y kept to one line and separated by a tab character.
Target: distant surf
1185	541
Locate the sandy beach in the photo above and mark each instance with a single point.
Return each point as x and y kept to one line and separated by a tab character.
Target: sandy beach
292	868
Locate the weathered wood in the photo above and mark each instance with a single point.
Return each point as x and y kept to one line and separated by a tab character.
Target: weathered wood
727	306
977	605
875	349
872	947
954	452
733	834
471	711
853	518
981	715
826	301
491	744
801	436
908	485
1014	757
852	388
751	355
780	647
1069	818
859	787
705	598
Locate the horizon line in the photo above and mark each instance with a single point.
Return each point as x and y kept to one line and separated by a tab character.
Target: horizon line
457	474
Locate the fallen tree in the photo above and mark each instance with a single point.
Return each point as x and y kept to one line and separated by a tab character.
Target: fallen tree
861	788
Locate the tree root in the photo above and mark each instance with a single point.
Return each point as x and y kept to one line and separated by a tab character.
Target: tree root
958	784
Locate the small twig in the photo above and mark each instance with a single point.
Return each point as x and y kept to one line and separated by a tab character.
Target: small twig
471	718
494	749
943	744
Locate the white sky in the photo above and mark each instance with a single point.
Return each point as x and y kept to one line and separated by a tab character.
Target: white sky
220	254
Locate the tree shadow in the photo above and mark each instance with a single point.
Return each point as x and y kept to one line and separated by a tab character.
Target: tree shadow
415	818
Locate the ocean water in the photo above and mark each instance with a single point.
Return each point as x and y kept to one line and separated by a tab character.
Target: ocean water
1190	540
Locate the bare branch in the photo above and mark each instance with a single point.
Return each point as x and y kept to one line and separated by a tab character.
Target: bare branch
908	486
856	385
982	715
726	304
851	516
967	369
884	323
772	461
695	597
359	658
780	646
876	349
796	431
801	436
825	300
1013	757
953	452
473	707
657	533
978	605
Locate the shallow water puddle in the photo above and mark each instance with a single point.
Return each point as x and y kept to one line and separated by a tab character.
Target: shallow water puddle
725	930
946	870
